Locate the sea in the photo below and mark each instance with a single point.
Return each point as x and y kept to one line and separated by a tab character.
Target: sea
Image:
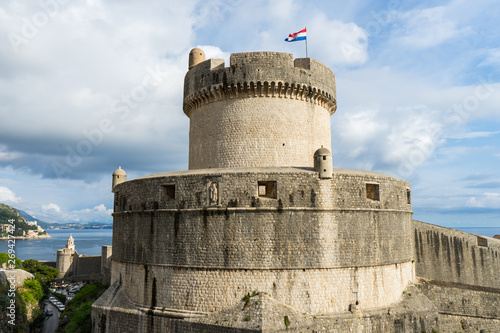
483	231
87	241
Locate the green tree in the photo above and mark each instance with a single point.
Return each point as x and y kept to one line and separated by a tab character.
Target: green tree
35	287
42	272
77	315
5	257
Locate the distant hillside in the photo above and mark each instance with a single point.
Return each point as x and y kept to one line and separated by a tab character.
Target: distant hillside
28	217
9	213
90	225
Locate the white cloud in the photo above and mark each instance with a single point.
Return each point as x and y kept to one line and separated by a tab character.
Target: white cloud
51	207
100	209
54	213
487	200
341	43
428	27
492	57
472	135
7	195
6	155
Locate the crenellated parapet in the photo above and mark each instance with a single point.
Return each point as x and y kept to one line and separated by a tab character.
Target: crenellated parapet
260	74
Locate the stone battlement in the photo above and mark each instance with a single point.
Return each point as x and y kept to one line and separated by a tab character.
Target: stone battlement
260	74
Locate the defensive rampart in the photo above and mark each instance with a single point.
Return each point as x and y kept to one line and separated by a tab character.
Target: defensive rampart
455	256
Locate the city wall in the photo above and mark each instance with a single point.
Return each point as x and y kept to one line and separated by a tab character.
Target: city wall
455	256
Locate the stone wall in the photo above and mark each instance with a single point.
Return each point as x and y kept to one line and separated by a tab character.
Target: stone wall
257	132
310	224
318	244
464	308
106	253
48	263
88	265
411	313
455	256
314	291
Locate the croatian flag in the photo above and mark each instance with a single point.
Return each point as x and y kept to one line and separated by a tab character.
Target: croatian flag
301	35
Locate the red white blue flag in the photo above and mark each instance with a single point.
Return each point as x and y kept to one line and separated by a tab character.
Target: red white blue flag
301	35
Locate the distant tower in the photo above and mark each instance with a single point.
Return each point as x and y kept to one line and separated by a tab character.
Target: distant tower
70	244
65	258
119	176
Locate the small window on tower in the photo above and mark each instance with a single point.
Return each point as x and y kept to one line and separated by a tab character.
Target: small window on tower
372	192
408	196
267	189
169	191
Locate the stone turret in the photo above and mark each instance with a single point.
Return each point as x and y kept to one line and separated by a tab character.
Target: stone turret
195	57
323	163
264	110
119	176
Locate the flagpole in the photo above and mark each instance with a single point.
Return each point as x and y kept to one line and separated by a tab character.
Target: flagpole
306	42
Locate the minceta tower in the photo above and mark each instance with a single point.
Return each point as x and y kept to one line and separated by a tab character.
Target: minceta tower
261	233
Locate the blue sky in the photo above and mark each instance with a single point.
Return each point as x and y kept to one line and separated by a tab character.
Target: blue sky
87	86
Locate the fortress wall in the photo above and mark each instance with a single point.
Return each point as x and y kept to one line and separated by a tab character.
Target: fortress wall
296	188
298	229
455	256
463	308
310	290
462	300
257	132
87	265
48	263
308	246
260	238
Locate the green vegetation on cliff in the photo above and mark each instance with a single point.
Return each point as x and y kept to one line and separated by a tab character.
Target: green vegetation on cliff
43	273
29	316
21	227
5	258
76	318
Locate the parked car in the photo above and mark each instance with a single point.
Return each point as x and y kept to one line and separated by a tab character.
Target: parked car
49	312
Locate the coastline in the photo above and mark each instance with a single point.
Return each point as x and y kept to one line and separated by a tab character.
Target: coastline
26	237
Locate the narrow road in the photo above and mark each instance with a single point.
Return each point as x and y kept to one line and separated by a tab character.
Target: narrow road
51	322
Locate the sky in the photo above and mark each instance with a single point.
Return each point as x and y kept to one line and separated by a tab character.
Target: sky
87	86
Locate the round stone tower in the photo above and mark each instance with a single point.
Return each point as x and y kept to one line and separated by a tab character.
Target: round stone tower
260	209
264	110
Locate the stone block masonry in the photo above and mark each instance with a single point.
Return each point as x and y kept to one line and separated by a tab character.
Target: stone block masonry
320	245
455	256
